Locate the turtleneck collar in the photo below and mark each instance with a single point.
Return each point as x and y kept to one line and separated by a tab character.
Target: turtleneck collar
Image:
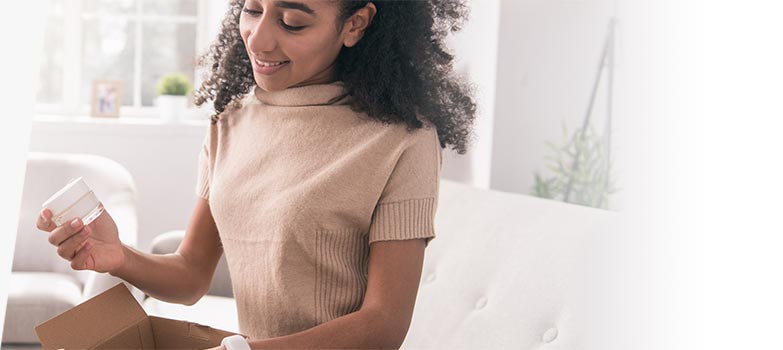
308	95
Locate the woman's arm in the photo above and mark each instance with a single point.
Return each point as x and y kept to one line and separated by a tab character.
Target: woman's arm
182	277
394	272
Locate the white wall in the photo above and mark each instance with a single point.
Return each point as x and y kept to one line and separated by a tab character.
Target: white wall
641	252
476	50
547	60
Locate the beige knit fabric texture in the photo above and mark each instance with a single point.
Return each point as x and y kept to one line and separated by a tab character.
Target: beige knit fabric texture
300	186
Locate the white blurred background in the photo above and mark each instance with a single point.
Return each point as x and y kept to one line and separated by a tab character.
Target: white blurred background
17	99
695	117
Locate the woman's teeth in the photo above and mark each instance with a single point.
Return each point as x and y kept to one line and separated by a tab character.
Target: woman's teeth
269	64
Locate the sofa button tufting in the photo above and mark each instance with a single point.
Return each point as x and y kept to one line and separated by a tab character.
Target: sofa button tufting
430	278
550	335
481	303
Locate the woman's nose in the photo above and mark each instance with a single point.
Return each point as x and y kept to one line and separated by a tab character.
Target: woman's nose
262	36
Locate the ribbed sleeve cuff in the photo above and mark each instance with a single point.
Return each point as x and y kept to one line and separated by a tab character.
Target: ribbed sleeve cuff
408	219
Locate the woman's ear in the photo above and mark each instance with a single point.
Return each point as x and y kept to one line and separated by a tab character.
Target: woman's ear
358	23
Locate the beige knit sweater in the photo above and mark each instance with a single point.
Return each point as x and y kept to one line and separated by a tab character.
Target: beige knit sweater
300	186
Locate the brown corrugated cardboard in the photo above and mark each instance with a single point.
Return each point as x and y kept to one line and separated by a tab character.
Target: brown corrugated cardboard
115	320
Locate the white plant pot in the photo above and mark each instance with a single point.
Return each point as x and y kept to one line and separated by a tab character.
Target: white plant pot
172	108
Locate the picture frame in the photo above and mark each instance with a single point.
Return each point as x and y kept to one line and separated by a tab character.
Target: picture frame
106	98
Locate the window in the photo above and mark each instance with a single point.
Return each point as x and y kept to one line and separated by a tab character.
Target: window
132	41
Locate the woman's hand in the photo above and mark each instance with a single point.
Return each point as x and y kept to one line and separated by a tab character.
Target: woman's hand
96	246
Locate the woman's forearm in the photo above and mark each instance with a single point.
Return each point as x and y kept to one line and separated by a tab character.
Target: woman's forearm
165	277
358	330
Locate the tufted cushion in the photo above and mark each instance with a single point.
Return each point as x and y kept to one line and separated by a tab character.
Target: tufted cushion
505	271
34	297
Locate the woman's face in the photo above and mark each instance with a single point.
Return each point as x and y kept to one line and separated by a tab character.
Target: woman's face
301	34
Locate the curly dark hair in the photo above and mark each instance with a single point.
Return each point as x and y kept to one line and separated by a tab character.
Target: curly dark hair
399	69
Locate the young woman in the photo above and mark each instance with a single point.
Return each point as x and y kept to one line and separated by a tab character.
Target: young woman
319	174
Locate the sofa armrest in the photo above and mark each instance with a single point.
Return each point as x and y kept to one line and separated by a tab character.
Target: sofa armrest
167	243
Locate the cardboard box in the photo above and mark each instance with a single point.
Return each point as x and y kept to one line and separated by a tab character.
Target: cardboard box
115	320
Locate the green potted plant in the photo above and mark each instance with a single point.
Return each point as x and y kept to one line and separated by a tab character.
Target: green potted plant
172	100
582	171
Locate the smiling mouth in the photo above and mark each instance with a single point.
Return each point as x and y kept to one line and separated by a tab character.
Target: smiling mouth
269	63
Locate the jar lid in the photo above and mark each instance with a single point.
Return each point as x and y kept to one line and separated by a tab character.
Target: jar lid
66	196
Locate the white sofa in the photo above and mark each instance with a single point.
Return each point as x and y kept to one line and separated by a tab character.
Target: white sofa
505	271
42	284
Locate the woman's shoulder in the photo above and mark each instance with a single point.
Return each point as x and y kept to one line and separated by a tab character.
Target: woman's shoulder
423	135
400	138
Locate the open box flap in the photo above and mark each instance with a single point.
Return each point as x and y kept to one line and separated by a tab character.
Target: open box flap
92	321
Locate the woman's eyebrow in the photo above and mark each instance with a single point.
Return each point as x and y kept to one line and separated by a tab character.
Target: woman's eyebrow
294	6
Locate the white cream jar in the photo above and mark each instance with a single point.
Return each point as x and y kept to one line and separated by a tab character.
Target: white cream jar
74	200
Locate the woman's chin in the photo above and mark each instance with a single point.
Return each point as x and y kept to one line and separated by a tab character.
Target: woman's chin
268	87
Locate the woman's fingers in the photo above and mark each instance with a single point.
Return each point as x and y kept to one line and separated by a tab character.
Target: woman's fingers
83	260
60	234
44	222
71	246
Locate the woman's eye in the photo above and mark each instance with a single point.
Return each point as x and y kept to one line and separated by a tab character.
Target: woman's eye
255	13
291	28
251	12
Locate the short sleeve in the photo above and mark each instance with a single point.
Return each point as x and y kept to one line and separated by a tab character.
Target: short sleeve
407	205
203	174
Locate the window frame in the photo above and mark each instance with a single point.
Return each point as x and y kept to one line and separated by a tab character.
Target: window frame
71	105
